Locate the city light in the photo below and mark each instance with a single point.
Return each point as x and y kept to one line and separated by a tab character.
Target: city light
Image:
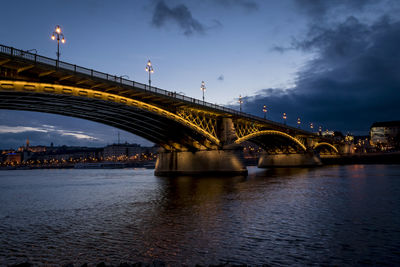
284	118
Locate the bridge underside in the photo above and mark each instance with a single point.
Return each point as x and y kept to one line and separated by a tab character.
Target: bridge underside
277	144
169	134
324	149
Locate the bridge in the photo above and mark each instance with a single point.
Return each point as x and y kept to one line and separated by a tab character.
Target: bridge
194	136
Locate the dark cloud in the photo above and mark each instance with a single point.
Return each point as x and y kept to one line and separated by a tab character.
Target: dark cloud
180	15
248	5
317	9
353	80
221	78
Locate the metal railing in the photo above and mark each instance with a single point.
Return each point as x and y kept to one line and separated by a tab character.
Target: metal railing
113	78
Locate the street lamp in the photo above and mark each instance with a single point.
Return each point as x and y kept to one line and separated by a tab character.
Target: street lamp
298	122
240	103
150	70
311	126
203	88
265	111
284	118
56	35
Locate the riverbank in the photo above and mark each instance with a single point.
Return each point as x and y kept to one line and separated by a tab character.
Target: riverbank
95	165
370	158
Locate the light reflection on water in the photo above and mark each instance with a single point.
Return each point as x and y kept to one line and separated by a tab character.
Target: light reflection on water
337	215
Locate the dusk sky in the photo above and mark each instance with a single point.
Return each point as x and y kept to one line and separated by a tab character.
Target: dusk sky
334	63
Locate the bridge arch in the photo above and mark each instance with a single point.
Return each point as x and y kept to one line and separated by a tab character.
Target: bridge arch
286	136
327	146
100	106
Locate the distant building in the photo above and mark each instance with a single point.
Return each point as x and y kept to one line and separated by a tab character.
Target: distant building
29	148
127	151
385	135
118	150
13	157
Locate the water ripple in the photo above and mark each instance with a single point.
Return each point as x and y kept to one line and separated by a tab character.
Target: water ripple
338	215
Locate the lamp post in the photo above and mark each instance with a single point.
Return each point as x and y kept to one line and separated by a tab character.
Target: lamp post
284	118
240	103
311	126
150	70
203	88
265	111
56	35
298	122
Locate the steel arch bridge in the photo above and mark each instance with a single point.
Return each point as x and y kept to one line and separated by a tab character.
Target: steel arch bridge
175	122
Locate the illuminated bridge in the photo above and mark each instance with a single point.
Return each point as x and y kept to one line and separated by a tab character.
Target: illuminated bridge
195	136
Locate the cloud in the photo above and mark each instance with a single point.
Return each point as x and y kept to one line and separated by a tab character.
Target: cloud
12	135
352	81
44	129
221	78
20	129
248	5
180	15
77	135
317	9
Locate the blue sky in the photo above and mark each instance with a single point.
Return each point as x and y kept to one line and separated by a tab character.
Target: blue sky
289	55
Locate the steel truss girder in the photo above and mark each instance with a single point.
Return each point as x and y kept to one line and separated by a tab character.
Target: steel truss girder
243	128
203	120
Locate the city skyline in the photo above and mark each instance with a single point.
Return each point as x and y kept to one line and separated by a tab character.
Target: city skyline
331	64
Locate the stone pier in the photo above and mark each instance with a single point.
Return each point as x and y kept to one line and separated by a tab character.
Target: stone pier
288	160
218	162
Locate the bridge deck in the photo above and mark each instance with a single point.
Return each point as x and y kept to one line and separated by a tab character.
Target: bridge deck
17	64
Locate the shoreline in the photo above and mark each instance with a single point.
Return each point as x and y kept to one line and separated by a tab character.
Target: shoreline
371	158
113	165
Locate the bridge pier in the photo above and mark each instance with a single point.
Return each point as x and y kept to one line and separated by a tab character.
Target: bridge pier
220	162
288	160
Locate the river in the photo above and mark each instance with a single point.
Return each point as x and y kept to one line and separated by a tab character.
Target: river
332	215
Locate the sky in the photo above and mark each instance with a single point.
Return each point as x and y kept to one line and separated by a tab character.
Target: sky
333	63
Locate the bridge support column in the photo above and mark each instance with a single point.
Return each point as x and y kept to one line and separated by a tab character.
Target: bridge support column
222	162
288	160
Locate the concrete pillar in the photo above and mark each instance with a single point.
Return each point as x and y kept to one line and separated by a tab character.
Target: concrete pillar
223	162
288	160
226	131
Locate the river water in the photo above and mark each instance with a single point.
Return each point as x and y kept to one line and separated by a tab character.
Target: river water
332	215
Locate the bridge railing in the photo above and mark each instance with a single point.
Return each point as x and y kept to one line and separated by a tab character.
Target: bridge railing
113	78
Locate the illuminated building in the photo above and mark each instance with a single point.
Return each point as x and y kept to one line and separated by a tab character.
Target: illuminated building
385	135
